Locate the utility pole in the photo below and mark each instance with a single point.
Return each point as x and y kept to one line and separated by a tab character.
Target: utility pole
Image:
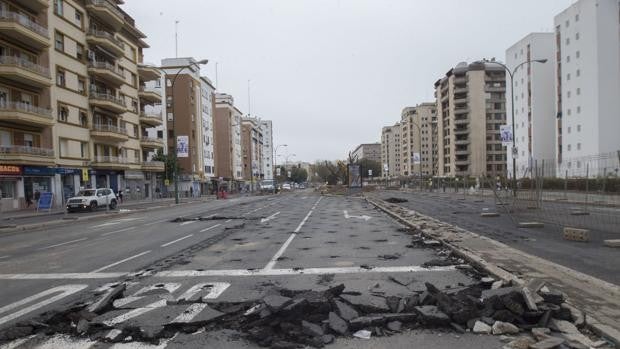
176	39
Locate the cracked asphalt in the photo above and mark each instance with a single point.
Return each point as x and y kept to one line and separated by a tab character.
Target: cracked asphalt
228	251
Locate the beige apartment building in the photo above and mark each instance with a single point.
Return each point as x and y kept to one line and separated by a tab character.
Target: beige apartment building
368	151
227	142
252	144
391	151
71	101
471	106
416	133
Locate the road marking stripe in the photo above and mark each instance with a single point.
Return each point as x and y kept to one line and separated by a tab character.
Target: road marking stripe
134	313
16	343
119	262
117	231
156	222
64	243
190	312
215	290
209	228
188	222
288	241
67	276
177	240
307	271
228	221
4	257
169	287
66	342
65	291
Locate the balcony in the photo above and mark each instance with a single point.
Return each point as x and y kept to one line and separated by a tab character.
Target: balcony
460	80
148	73
110	162
107	72
37	5
23	29
461	121
152	120
151	143
461	141
24	71
148	95
460	100
105	40
461	131
153	166
491	88
460	89
107	102
109	133
19	154
461	152
107	12
458	111
26	114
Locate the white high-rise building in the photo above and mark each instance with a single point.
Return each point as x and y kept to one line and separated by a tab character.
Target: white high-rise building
587	36
266	127
207	94
534	102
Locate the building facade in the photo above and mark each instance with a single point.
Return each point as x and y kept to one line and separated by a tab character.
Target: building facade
207	106
266	127
369	151
587	85
390	151
417	140
252	151
71	97
534	97
227	140
471	106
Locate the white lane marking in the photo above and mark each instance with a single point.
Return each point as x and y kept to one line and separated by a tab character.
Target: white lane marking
65	291
177	240
139	345
121	261
228	220
118	303
190	313
4	257
347	216
307	271
288	241
65	342
209	228
61	276
156	222
63	243
188	222
16	343
215	290
117	231
273	216
119	221
135	312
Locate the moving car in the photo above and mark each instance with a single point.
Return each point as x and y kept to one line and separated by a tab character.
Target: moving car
267	185
286	186
91	199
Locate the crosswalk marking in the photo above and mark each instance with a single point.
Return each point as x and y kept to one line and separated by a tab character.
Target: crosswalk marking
190	313
135	313
65	342
215	290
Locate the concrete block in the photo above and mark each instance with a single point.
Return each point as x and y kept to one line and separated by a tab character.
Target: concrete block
531	225
489	214
575	234
612	243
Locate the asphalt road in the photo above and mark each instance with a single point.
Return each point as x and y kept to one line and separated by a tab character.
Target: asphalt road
296	241
591	258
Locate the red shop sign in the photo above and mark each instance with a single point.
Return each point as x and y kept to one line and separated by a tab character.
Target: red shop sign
10	170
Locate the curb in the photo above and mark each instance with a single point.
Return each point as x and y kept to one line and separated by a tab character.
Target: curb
591	322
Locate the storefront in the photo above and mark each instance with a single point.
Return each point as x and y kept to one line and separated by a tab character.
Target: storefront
104	179
135	188
10	178
37	180
69	179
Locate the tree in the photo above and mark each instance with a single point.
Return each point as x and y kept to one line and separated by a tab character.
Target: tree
169	163
298	174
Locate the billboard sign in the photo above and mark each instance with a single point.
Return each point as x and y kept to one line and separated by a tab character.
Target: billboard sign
182	146
415	158
355	176
505	132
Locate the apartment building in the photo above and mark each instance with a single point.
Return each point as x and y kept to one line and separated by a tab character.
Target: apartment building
266	127
471	106
390	150
227	140
252	143
417	140
369	151
534	112
207	106
70	99
587	85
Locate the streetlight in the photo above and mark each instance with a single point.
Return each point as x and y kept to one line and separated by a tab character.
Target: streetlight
175	173
420	149
512	104
286	162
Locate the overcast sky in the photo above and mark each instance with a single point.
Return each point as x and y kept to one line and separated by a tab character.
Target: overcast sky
331	73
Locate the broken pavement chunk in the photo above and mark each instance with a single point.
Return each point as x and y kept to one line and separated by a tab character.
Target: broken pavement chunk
276	302
311	329
500	327
394	326
367	303
345	311
549	343
431	315
337	324
481	327
106	300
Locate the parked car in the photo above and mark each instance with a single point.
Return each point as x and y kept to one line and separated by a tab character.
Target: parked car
286	186
91	199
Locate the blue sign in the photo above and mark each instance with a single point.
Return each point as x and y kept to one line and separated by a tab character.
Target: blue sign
45	201
68	171
39	171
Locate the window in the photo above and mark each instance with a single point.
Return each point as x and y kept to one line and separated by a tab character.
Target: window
83	119
577	18
59	41
578	72
79	52
63	113
170	134
134	80
577	36
78	18
578	128
567	23
578	91
83	150
58	7
578	146
60	78
578	109
568	111
81	86
567	59
567	94
568	76
567	41
158	83
168	83
28	140
577	54
568	148
568	129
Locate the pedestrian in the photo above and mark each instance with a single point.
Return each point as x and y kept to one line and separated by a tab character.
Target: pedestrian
191	192
120	196
28	201
37	196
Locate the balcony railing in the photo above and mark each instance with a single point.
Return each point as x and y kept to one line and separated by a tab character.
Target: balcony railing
24	21
109	128
153	163
106	66
151	90
107	97
106	35
110	159
152	139
24	150
151	116
108	5
25	107
26	64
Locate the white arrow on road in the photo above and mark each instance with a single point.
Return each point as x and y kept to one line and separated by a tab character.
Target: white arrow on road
364	217
263	220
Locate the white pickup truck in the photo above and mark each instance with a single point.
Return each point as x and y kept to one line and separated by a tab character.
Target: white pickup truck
91	199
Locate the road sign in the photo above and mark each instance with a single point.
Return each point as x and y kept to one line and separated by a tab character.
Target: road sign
45	201
166	182
369	173
84	175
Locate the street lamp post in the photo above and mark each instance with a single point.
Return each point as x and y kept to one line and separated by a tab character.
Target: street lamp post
420	150
175	172
512	104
